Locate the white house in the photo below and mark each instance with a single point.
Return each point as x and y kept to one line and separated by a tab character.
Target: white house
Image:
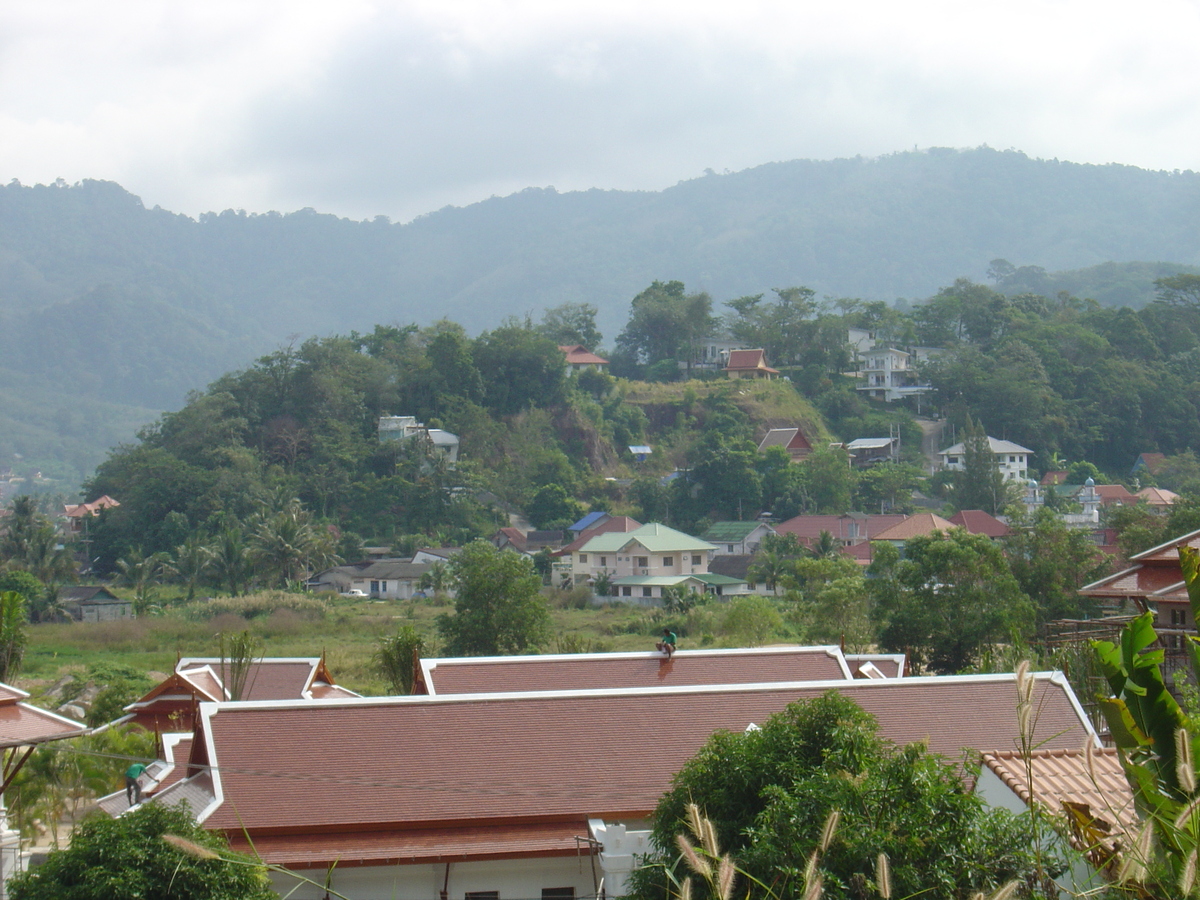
1011	459
403	428
641	563
890	374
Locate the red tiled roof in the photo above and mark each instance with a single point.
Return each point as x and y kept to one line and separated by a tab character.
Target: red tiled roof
22	724
748	361
1056	477
435	762
1114	493
270	679
579	355
594	671
977	521
890	664
1157	496
807	528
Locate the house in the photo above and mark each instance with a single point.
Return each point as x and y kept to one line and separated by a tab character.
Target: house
867	452
1011	459
380	579
591	520
442	794
890	374
643	562
640	452
1152	582
976	521
171	704
78	514
93	603
736	538
918	525
790	439
590	671
405	428
435	554
713	352
1148	462
1157	498
580	358
848	529
749	364
565	559
23	728
1086	797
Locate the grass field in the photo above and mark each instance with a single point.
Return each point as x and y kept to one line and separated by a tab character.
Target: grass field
348	632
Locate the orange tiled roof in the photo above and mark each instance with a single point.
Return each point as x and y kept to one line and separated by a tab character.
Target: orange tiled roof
478	760
915	526
593	671
579	355
1064	776
22	724
977	521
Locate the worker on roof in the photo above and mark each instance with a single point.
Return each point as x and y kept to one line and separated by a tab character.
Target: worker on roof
667	644
133	787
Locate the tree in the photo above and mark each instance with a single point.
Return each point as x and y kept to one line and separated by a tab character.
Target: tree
128	859
950	596
497	608
1179	290
191	560
768	793
666	324
1051	562
571	323
831	481
750	621
783	327
13	633
397	658
521	368
289	544
552	505
980	484
141	572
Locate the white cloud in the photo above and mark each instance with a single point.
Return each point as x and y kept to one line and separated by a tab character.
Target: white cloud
362	108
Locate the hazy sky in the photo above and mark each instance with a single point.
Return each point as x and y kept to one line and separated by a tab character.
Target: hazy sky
397	108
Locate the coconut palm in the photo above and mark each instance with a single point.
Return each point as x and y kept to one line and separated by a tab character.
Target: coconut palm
191	560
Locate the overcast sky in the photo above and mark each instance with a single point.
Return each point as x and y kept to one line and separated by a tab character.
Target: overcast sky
397	108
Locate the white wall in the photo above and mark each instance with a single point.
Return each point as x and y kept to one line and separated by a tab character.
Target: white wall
515	879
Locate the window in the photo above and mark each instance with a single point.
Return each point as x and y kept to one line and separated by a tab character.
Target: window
374	587
952	460
626	591
1012	459
583	557
695	559
647	592
668	560
729	548
482	895
642	562
603	561
564	893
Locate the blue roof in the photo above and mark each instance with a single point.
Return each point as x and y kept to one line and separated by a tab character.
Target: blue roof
587	521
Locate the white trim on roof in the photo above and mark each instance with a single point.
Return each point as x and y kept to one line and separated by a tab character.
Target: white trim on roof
1174	542
207	711
1098	583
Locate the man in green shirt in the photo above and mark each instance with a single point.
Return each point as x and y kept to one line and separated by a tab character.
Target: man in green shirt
667	644
133	790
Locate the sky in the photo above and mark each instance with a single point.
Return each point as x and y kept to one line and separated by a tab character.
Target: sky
399	108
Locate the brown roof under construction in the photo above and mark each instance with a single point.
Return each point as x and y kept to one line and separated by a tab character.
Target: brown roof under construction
428	762
593	671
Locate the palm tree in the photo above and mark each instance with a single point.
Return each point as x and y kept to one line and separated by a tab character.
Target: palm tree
13	634
231	563
824	547
289	544
191	560
140	572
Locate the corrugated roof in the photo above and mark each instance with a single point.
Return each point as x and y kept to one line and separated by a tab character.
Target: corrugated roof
996	445
435	762
622	524
589	671
730	532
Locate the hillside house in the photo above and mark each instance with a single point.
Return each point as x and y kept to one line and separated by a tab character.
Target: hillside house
580	357
713	352
890	374
413	821
749	364
867	452
565	559
379	579
77	515
848	529
406	428
1012	460
790	439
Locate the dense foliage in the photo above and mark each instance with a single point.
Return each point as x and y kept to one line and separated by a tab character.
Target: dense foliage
127	858
768	792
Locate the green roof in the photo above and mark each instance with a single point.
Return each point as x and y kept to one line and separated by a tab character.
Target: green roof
729	532
655	580
654	537
718	580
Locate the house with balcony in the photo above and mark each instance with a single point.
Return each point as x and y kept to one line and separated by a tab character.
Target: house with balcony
1012	460
889	374
640	564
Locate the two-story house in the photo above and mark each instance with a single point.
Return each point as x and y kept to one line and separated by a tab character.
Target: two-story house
890	374
639	564
1012	460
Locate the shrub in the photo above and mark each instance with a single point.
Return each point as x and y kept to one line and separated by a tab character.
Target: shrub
255	606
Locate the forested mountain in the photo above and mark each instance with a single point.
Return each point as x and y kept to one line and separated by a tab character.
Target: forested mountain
103	301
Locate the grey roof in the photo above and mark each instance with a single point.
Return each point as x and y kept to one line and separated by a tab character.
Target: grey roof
89	594
869	444
997	445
